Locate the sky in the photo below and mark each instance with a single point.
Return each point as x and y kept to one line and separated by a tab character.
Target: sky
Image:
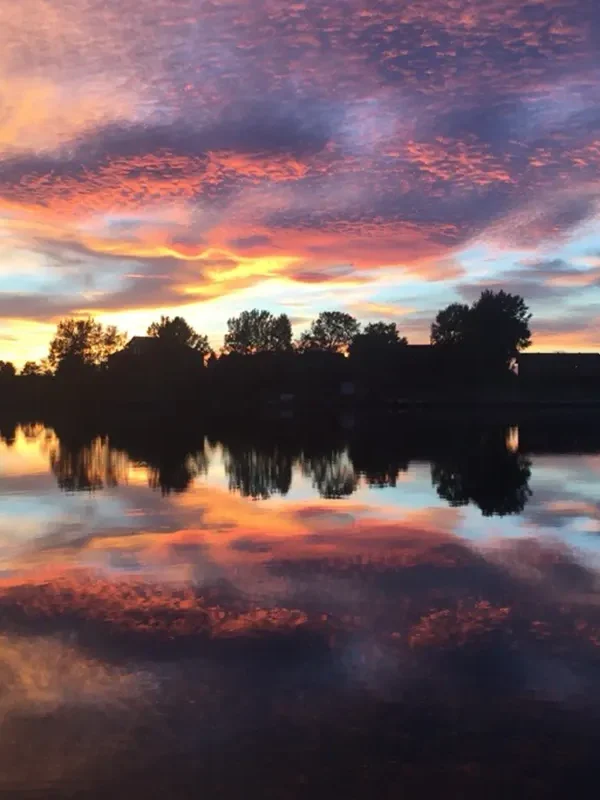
385	158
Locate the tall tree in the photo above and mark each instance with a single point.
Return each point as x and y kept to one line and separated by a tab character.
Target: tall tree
178	332
84	342
258	332
499	324
332	331
491	331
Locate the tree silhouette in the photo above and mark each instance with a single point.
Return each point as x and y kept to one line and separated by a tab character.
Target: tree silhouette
177	332
258	332
490	332
377	337
32	368
451	325
7	370
332	331
84	342
499	325
375	358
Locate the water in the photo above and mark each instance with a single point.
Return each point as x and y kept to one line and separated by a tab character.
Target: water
399	610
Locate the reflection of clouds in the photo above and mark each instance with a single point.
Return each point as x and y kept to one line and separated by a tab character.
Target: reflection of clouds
171	624
360	652
42	674
63	712
208	533
565	495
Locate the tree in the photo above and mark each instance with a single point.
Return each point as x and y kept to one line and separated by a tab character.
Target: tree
490	332
499	325
258	332
7	369
84	342
450	326
385	332
377	337
31	368
179	333
332	331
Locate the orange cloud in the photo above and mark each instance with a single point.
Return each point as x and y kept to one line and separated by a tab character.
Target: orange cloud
464	163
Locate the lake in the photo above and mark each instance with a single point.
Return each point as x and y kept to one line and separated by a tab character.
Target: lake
398	608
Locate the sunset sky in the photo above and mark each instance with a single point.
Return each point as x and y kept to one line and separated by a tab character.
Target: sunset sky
384	158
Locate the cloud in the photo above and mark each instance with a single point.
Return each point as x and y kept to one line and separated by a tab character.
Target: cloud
557	272
250	242
530	290
248	545
368	135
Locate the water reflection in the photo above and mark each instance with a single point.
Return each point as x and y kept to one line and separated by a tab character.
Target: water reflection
153	619
258	472
486	471
81	465
332	473
483	468
8	432
174	459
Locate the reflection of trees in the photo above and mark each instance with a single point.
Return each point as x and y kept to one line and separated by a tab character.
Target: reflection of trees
174	458
332	473
484	473
173	461
33	430
173	470
8	433
260	469
87	466
258	473
467	466
377	461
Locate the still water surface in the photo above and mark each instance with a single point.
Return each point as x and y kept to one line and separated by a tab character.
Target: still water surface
320	614
93	503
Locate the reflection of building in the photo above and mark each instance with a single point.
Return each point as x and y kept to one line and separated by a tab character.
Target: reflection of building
559	367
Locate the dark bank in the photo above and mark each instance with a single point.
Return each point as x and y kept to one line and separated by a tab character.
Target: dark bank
475	358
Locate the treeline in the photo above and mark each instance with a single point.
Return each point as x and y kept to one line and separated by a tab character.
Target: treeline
260	364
